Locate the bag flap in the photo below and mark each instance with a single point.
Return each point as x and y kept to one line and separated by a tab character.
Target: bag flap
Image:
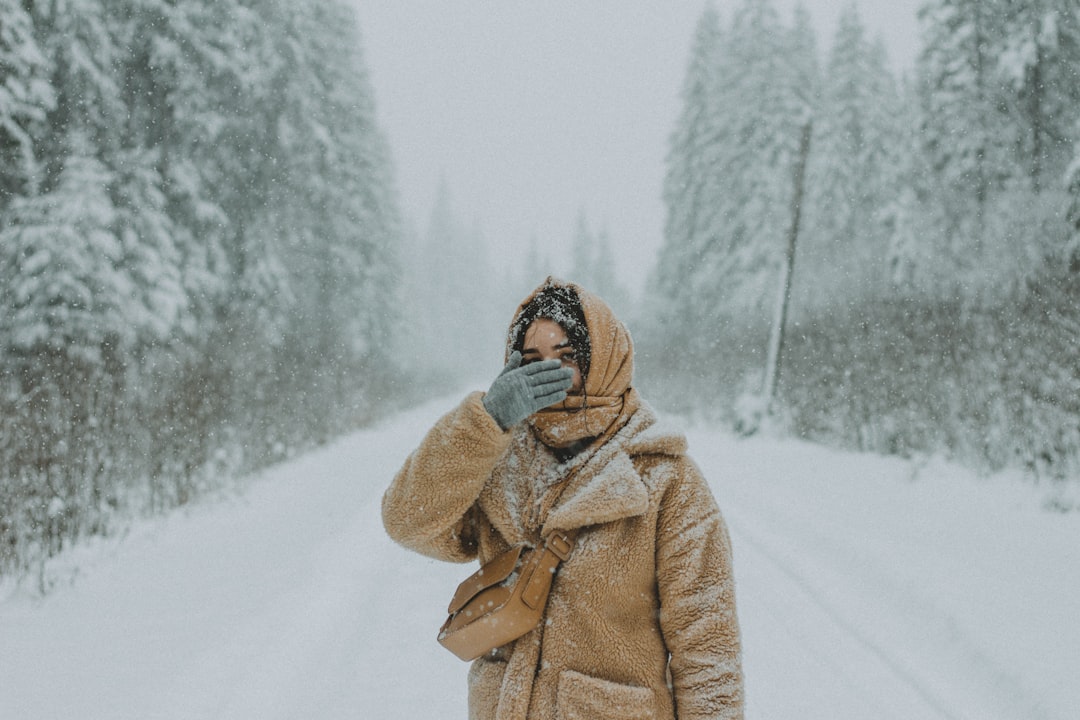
492	573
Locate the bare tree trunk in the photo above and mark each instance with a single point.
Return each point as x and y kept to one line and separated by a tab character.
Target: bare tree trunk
776	338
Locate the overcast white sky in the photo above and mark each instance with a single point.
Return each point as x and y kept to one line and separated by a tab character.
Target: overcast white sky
534	111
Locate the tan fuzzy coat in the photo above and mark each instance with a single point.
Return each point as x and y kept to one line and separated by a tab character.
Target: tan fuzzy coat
641	621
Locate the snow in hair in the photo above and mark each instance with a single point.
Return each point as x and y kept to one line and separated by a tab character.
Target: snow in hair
561	304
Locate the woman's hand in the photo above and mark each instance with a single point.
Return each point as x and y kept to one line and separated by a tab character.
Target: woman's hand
520	390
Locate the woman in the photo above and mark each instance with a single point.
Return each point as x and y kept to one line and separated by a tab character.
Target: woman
641	620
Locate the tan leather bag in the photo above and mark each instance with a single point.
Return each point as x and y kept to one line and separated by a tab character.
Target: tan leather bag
504	599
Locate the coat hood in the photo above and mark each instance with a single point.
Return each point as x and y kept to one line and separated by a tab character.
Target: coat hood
609	398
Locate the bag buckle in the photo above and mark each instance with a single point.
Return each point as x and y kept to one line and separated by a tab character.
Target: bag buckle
559	544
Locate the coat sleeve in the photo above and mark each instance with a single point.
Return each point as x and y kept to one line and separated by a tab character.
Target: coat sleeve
429	507
697	600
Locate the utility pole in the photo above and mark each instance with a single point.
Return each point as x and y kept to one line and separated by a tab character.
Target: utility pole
776	337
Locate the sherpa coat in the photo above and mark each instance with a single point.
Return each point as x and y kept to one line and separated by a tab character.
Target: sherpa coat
641	619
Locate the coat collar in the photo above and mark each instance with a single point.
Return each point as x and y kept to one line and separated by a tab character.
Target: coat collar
606	486
604	490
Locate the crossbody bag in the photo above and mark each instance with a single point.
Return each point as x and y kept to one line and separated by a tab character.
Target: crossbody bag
505	598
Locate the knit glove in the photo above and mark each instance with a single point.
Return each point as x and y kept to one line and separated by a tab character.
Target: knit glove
519	391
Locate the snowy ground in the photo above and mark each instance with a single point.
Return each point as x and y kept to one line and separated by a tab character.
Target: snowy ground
868	588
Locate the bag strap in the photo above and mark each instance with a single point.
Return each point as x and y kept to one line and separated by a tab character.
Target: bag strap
555	549
543	508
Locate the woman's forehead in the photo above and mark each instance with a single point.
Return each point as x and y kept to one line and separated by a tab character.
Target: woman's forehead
545	330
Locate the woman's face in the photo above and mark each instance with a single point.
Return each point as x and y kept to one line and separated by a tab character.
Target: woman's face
546	340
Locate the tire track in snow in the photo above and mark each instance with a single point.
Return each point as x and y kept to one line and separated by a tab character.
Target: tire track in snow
938	658
803	588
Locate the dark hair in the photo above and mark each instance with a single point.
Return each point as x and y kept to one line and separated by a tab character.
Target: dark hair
560	304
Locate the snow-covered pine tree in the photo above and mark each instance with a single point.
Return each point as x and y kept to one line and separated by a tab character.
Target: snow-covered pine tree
66	331
805	66
912	215
691	186
1072	182
279	160
192	75
593	265
63	286
853	173
458	282
77	37
605	276
25	96
762	108
175	168
962	120
1040	62
1040	70
582	251
341	231
535	266
746	97
100	110
996	80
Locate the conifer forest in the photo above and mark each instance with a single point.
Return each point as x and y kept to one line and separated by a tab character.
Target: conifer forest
935	288
204	268
198	247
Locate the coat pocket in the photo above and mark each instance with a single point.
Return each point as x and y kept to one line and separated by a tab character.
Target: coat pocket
581	697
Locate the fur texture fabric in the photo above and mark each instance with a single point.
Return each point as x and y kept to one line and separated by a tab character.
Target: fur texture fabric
641	619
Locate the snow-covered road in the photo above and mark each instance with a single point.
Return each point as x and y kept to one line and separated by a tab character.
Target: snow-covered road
868	588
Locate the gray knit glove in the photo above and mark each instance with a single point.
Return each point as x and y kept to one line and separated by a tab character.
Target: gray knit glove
519	391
